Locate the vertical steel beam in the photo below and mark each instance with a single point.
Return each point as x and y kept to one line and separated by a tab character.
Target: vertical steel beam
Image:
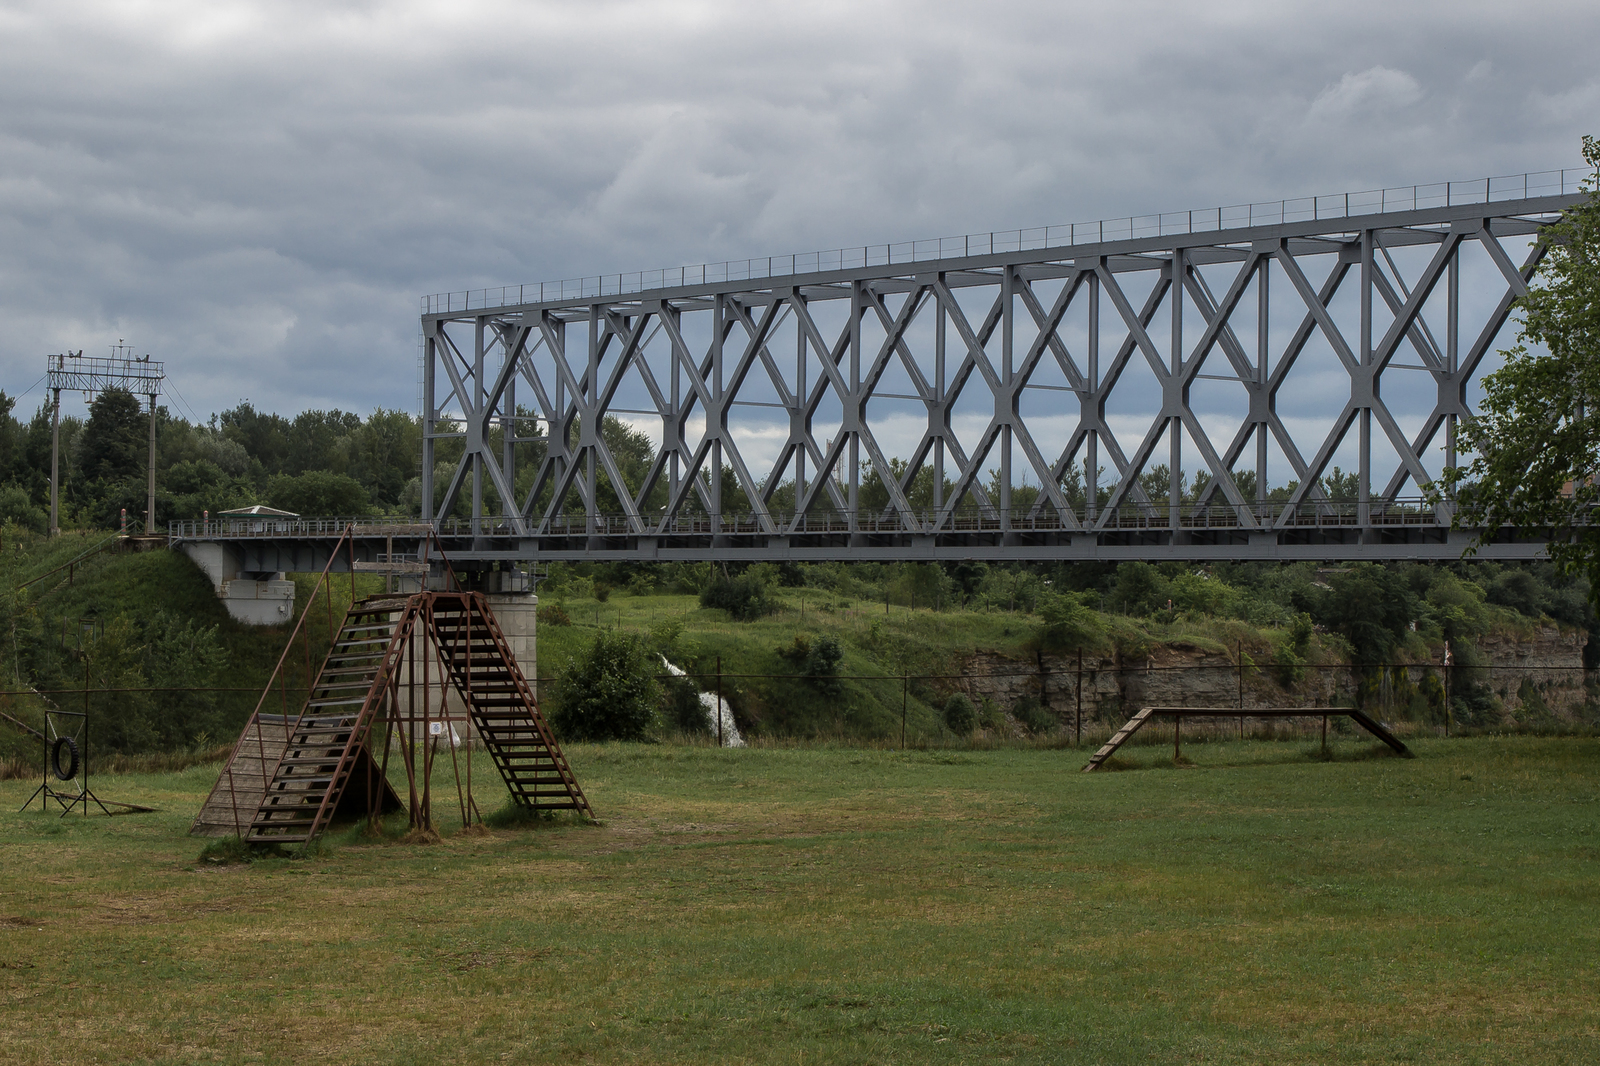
1091	466
851	403
714	418
508	437
1364	425
475	426
1007	333
1174	422
430	353
1452	352
1263	374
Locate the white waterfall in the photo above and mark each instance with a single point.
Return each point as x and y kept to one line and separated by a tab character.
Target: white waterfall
716	710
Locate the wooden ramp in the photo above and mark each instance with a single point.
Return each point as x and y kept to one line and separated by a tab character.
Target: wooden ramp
238	793
1178	714
1129	728
326	740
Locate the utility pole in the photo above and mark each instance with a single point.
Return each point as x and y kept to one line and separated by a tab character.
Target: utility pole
55	454
150	474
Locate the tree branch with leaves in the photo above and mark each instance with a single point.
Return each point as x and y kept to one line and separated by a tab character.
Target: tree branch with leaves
1536	434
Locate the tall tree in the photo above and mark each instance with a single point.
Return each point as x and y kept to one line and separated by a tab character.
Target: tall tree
114	442
1537	432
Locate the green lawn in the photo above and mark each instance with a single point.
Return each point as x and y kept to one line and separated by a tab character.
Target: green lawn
838	905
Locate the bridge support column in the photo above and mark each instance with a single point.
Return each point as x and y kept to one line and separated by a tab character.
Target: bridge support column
518	615
253	598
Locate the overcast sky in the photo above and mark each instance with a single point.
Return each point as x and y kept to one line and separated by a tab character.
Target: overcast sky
258	193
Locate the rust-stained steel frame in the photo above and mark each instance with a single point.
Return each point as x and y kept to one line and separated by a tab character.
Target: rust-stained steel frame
450	659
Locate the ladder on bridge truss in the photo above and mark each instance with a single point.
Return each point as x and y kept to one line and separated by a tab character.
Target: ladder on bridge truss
327	748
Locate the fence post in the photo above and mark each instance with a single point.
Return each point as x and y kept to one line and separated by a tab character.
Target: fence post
1241	690
905	691
1447	688
719	701
1078	733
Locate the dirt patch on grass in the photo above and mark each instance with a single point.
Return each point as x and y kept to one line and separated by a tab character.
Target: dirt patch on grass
465	961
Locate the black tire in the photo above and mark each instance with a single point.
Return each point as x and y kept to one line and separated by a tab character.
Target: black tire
55	758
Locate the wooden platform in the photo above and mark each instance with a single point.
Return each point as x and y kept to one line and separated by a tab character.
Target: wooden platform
1177	714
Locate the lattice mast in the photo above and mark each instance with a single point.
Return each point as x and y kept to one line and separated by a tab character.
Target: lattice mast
90	376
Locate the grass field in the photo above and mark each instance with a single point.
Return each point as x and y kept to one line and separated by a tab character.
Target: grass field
838	905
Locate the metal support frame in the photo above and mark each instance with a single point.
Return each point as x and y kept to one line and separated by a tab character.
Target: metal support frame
977	332
92	376
980	332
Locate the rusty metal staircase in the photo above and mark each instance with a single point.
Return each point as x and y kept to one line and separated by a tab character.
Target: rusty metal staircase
324	743
289	790
502	705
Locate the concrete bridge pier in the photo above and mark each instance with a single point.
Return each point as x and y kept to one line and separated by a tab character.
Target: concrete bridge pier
259	598
515	608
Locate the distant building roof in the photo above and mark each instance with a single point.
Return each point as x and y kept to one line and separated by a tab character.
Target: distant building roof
259	508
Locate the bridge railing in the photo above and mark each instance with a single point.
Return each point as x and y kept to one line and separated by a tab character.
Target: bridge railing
1340	513
1171	223
274	526
1414	511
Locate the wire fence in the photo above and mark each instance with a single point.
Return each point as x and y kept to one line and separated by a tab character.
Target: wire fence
1088	698
1065	701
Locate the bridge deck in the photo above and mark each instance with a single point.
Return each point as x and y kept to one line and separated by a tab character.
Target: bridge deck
303	544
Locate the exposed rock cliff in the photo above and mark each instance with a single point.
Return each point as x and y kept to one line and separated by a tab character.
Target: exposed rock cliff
1183	675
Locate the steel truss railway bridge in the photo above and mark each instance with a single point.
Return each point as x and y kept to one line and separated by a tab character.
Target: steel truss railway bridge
1032	395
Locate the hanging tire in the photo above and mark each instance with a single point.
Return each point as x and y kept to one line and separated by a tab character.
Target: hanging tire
71	748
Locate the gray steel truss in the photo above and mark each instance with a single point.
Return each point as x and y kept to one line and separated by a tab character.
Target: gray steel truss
1028	404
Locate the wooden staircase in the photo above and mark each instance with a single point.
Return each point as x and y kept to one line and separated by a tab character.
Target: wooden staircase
324	742
502	705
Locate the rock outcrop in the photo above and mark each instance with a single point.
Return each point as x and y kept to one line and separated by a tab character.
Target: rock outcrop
1184	675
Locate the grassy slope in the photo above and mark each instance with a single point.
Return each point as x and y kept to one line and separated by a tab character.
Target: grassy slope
844	906
916	641
111	583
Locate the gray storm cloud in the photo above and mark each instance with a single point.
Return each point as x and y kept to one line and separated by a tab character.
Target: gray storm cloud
258	192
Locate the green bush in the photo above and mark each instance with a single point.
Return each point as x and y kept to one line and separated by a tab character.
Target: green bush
1288	659
16	507
745	597
960	717
1068	623
610	693
821	667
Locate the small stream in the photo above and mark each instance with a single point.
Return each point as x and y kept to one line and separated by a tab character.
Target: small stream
715	709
